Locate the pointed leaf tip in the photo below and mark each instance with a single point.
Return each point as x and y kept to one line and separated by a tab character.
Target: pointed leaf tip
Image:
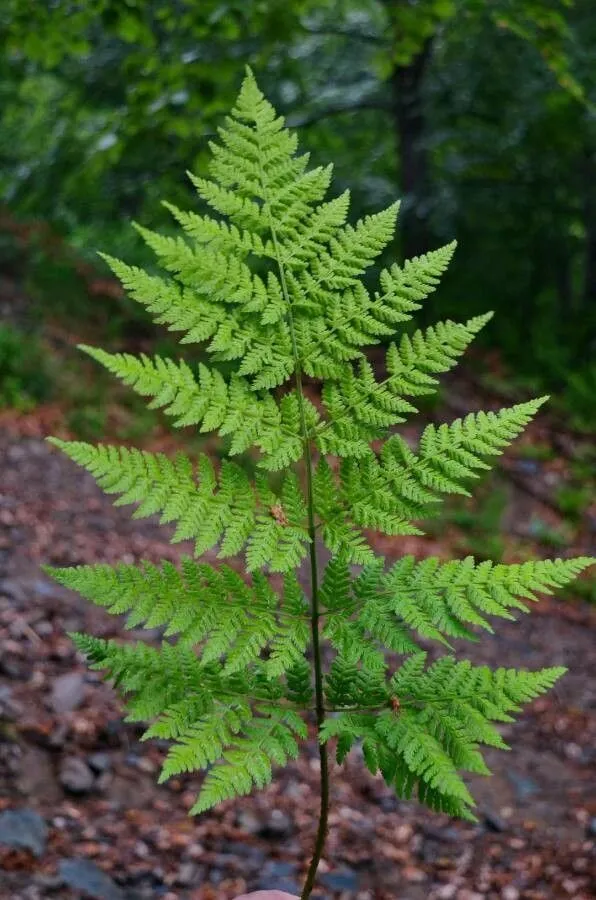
478	322
89	350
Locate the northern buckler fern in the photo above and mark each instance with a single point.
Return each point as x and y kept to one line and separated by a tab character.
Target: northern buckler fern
269	285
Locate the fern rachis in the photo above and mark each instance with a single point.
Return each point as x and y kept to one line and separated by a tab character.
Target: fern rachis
269	284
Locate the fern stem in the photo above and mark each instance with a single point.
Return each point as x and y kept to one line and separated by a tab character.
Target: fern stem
314	577
319	695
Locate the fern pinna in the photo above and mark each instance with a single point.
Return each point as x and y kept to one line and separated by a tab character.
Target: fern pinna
270	285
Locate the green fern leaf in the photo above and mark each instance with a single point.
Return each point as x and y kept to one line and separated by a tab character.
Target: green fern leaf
267	278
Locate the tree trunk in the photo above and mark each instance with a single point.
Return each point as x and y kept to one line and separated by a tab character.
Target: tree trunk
406	86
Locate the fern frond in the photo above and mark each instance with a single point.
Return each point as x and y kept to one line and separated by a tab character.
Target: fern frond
449	597
424	759
233	621
154	679
414	364
352	251
387	491
288	646
335	591
403	288
169	304
208	509
496	694
171	385
267	278
220	236
360	409
204	740
370	499
451	454
302	244
443	715
350	683
339	534
271	738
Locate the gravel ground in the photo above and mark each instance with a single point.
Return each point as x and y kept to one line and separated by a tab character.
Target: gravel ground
81	814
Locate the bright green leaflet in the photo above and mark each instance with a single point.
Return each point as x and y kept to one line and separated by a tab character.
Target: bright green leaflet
270	284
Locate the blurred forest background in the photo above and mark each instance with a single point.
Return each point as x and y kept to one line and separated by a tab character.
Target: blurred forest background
479	115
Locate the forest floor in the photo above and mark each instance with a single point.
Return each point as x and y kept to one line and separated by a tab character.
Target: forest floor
81	814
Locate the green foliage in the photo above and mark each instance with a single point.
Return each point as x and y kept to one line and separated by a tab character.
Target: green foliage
110	100
271	286
24	369
445	712
213	508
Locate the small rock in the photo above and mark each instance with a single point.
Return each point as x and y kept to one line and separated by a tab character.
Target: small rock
494	822
141	850
76	776
83	875
430	851
144	764
294	790
345	880
57	738
187	874
99	762
510	893
23	828
246	851
36	776
524	786
195	851
9	708
278	876
67	692
414	875
276	868
228	862
403	833
573	751
447	892
517	843
48	882
104	781
247	821
12	588
527	466
277	826
44	588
